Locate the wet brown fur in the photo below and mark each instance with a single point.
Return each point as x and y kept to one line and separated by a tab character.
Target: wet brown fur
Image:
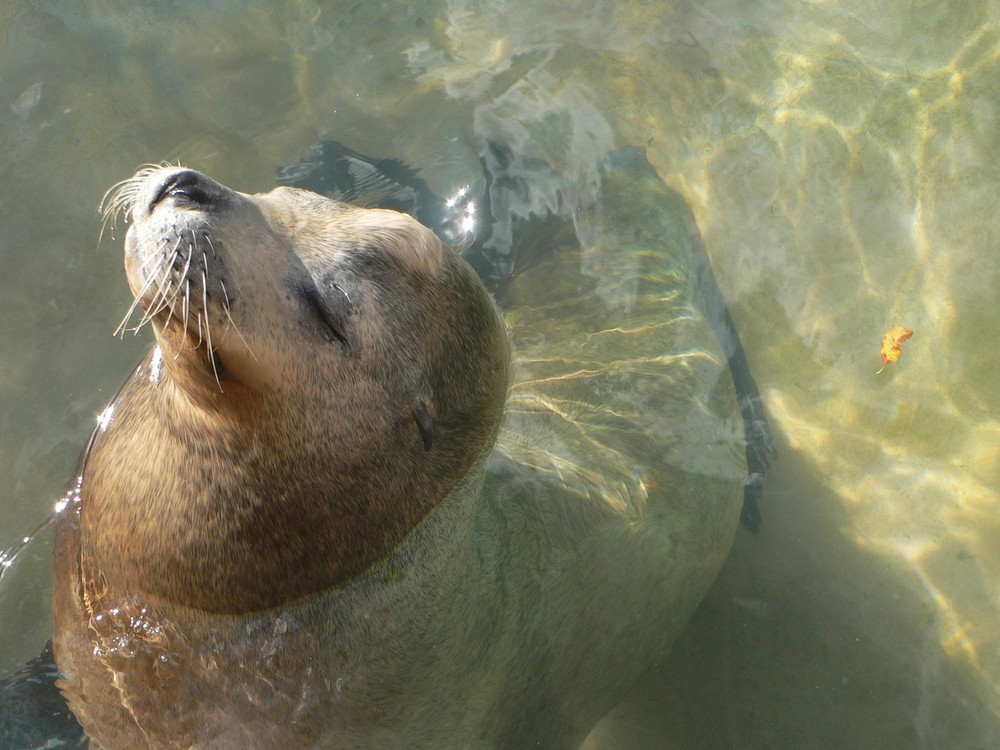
293	529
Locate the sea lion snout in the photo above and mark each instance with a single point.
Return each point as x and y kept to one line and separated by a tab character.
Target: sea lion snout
183	187
189	185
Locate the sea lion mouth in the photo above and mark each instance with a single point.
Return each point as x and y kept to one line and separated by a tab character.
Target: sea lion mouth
184	294
177	272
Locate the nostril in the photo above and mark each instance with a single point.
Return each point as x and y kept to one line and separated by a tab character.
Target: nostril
187	185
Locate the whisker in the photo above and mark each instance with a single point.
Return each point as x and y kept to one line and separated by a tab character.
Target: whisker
231	322
182	277
120	198
173	305
225	305
155	307
201	336
159	305
208	326
187	311
157	257
109	211
135	303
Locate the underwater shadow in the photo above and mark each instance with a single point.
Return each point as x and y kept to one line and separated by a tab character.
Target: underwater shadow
806	641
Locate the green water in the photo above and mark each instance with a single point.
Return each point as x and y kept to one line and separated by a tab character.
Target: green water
842	161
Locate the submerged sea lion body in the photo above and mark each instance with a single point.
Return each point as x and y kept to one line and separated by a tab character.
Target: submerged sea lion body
325	511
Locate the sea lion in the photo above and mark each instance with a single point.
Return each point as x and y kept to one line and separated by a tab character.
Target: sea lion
327	510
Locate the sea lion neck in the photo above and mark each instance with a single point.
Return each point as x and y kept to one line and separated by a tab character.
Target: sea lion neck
239	508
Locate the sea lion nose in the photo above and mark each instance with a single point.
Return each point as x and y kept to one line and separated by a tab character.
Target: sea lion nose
187	187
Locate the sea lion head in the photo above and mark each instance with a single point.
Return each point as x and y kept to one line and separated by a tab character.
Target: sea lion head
324	376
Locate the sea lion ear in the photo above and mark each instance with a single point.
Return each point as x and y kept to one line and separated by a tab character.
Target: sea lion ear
424	424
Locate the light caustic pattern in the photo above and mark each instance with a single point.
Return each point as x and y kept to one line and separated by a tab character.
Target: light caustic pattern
842	164
856	196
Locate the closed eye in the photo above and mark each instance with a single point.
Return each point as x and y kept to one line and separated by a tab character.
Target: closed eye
333	318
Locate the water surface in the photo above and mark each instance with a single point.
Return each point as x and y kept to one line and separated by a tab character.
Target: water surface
842	161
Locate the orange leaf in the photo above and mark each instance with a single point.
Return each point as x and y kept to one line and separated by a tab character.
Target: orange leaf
891	343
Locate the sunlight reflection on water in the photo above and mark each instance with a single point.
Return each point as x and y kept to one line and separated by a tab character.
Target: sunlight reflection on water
841	159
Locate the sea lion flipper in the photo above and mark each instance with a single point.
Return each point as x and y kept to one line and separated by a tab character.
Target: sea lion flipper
498	243
337	171
33	712
506	244
756	428
636	208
